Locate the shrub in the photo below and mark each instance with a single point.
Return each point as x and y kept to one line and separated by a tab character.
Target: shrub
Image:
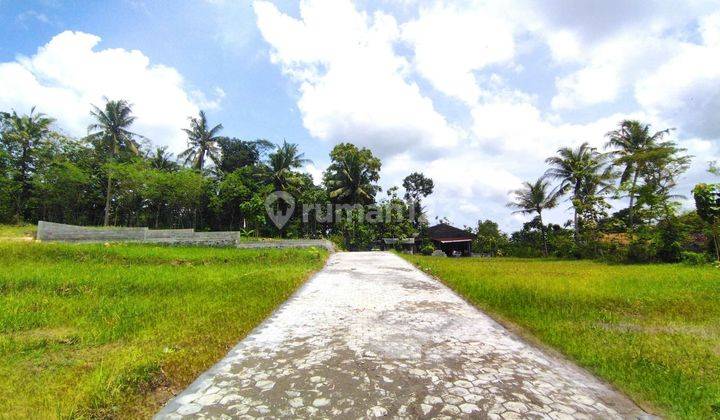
427	249
641	250
339	241
694	258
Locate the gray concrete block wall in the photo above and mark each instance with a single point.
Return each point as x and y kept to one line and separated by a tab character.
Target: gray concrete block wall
48	231
169	234
288	243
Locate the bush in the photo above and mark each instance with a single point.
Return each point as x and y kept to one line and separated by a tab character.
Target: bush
427	250
339	241
641	250
694	258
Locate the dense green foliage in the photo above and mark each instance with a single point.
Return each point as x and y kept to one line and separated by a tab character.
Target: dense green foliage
114	176
652	330
639	165
96	332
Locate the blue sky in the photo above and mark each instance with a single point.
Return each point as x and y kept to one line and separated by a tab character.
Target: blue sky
184	35
473	93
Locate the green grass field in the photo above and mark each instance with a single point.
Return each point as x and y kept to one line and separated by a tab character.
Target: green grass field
108	331
13	232
651	330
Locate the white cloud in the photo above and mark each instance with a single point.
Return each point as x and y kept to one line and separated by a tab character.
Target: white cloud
451	42
362	76
686	88
68	74
353	87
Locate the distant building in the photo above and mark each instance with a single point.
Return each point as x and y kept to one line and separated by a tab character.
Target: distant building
449	239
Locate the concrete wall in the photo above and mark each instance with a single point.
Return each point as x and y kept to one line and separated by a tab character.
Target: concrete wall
48	231
288	243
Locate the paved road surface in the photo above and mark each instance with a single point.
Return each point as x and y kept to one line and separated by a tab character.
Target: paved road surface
371	336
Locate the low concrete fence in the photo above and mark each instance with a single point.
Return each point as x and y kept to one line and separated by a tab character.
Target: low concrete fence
48	231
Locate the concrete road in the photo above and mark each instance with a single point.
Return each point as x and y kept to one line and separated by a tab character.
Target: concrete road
372	336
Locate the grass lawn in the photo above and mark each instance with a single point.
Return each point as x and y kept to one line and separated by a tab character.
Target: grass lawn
108	331
651	330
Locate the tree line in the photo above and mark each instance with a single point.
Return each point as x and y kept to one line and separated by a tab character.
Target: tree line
114	176
637	164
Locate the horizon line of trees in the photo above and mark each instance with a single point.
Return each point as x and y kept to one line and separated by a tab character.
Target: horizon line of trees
114	176
637	164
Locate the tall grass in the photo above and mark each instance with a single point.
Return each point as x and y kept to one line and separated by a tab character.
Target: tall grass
651	330
109	331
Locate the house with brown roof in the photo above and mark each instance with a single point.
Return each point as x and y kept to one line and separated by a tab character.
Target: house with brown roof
450	239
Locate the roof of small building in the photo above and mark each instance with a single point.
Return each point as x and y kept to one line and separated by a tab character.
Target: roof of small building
445	233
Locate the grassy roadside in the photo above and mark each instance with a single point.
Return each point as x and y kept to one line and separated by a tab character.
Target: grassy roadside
651	330
108	331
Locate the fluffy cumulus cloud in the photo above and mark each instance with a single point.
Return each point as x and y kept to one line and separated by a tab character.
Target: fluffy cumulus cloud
451	43
70	73
352	84
477	94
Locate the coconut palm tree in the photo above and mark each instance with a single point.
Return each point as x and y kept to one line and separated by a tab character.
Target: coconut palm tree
534	198
352	175
23	133
110	133
634	148
163	160
202	142
581	171
282	162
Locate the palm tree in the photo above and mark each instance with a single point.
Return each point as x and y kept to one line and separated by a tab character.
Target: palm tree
111	132
534	198
162	160
634	148
202	142
282	162
25	132
351	177
581	171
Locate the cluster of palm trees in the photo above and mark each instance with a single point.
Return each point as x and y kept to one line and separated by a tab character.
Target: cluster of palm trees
111	132
587	177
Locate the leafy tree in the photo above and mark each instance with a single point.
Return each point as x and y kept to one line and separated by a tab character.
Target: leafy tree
417	186
489	239
534	198
655	195
202	142
22	135
707	203
236	153
394	217
233	190
111	134
352	175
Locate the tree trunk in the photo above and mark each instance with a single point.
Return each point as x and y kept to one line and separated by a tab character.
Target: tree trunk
632	201
106	220
543	234
24	187
715	239
576	227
